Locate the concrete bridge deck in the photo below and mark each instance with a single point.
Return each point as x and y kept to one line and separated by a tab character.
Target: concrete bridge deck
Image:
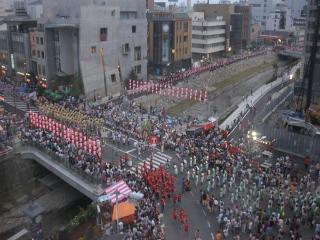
92	191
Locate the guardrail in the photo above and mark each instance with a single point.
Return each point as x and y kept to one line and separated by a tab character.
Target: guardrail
65	161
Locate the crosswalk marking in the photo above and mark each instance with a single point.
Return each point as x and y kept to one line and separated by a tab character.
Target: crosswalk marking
158	159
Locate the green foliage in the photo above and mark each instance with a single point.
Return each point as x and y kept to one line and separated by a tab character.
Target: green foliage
83	216
133	75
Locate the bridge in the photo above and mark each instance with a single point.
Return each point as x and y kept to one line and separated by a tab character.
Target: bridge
291	54
79	180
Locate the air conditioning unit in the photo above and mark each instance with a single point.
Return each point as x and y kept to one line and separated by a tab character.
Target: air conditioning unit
125	49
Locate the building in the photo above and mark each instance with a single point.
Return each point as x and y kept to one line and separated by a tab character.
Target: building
88	40
212	11
17	51
312	18
5	8
39	56
261	10
298	11
169	42
255	33
150	5
280	20
208	37
246	12
240	36
236	33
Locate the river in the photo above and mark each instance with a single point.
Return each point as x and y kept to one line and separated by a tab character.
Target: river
24	181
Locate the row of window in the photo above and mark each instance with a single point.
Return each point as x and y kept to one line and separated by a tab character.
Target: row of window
41	69
206	28
104	33
179	39
204	46
137	70
126	49
38	40
39	54
194	36
181	51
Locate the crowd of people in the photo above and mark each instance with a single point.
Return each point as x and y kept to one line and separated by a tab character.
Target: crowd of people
248	200
244	199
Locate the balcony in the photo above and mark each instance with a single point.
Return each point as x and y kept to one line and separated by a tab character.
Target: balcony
208	50
208	23
209	40
209	32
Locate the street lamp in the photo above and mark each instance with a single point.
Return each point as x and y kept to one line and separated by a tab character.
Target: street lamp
229	49
291	76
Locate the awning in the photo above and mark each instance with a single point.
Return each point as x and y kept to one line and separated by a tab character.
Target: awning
126	212
121	187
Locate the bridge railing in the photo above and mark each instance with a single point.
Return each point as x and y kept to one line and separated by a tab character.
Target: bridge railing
64	160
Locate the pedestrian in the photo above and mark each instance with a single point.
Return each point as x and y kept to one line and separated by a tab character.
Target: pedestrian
162	203
174	214
197	235
182	187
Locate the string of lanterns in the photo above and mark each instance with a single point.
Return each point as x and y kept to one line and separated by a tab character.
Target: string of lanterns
78	138
168	90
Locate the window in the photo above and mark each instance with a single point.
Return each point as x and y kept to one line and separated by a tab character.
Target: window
37	40
42	54
185	27
103	34
134	29
33	52
41	40
56	36
43	70
93	49
185	38
39	68
113	78
113	13
185	50
137	69
137	53
126	47
38	54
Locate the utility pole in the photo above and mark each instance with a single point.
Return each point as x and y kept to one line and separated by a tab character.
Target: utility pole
104	71
123	87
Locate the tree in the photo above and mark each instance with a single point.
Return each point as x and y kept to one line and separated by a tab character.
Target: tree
132	76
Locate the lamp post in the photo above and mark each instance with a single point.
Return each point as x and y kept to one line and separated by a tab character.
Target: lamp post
251	136
173	51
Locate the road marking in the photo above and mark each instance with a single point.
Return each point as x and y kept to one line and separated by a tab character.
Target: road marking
204	213
212	236
209	225
132	150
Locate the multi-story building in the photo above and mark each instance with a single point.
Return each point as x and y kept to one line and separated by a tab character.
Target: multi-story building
312	18
299	12
89	40
236	33
5	8
261	10
169	42
38	52
208	36
246	12
280	20
234	41
17	52
212	11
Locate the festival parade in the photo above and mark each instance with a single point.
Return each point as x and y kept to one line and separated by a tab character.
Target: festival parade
149	120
